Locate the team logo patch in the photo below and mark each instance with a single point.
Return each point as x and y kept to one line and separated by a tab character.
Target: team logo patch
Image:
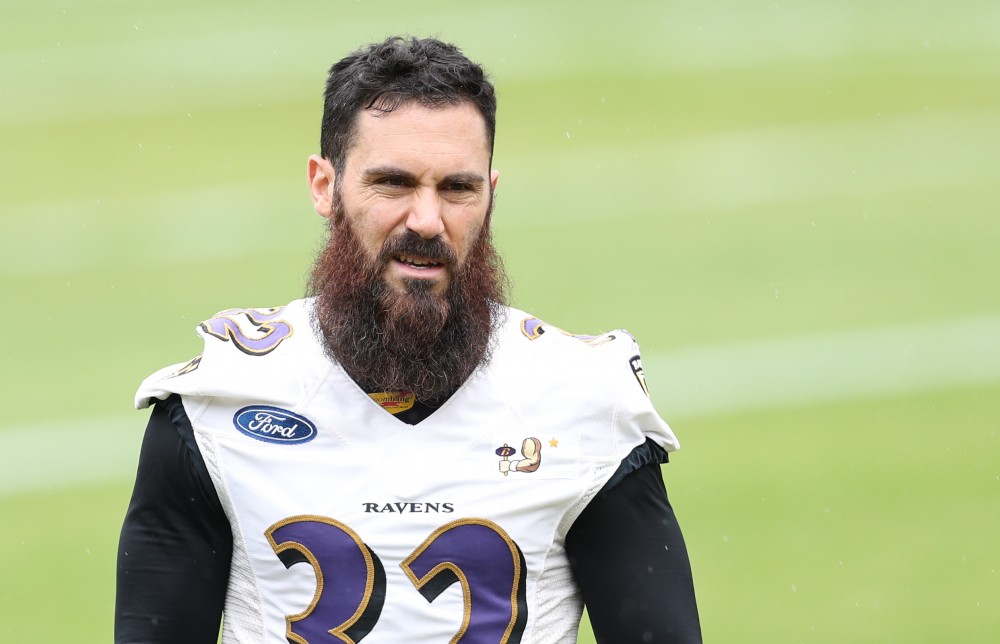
274	425
531	453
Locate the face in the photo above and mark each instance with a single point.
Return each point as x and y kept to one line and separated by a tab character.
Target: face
419	169
409	286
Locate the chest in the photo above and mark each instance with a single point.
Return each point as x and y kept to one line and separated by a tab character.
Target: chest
419	524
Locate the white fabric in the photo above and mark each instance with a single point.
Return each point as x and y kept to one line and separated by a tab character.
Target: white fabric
394	485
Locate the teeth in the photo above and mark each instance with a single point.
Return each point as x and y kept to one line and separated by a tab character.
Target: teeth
406	259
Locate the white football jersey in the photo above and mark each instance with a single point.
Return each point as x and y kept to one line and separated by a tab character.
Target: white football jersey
349	522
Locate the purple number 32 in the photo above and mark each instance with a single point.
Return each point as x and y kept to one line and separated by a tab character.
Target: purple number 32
351	587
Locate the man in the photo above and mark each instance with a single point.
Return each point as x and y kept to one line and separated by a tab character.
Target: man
402	457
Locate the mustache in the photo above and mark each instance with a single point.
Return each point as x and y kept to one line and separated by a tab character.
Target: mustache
410	243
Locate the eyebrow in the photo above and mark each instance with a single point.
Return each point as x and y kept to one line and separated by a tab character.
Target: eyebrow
377	172
386	171
470	178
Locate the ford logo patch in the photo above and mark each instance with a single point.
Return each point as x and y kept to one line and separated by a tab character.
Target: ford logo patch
274	425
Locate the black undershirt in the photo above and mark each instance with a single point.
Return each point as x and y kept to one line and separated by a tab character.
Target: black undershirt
625	549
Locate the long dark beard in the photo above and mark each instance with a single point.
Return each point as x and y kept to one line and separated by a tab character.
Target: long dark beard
418	341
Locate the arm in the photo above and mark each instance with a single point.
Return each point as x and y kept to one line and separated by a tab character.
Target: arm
176	544
630	562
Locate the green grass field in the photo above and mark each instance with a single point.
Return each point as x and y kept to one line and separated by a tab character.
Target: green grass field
793	205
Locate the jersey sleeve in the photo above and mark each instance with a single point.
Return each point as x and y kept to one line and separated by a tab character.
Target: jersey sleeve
636	420
242	349
624	429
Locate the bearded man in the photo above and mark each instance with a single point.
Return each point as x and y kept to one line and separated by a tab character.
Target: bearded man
345	468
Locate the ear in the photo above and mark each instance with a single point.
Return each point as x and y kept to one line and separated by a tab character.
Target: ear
321	180
494	177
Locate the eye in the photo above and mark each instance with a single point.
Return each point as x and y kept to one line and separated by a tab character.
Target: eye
393	181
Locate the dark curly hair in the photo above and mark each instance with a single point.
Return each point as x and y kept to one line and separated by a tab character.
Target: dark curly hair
384	76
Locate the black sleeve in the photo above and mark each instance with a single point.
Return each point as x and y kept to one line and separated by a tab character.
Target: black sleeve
629	559
176	544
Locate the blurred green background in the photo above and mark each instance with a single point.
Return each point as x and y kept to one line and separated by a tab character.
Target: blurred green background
793	205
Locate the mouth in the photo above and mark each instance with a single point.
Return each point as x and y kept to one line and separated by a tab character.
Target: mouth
415	267
418	263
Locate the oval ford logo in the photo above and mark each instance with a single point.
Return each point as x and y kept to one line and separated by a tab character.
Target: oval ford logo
274	425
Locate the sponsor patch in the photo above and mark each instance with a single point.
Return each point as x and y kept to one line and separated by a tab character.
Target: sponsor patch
274	425
394	402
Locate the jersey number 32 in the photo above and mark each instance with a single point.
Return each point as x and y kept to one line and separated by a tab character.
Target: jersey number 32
351	588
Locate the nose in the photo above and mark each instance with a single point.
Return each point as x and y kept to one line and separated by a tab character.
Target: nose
425	216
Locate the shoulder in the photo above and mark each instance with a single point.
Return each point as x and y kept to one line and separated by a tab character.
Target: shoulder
242	349
601	370
255	331
536	343
591	376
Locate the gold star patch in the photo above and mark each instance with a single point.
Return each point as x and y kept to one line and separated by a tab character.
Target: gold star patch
554	443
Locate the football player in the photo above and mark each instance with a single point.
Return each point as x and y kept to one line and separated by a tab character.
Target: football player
401	457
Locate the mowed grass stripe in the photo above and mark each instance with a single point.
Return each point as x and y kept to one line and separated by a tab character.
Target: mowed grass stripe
795	370
783	372
128	54
758	167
